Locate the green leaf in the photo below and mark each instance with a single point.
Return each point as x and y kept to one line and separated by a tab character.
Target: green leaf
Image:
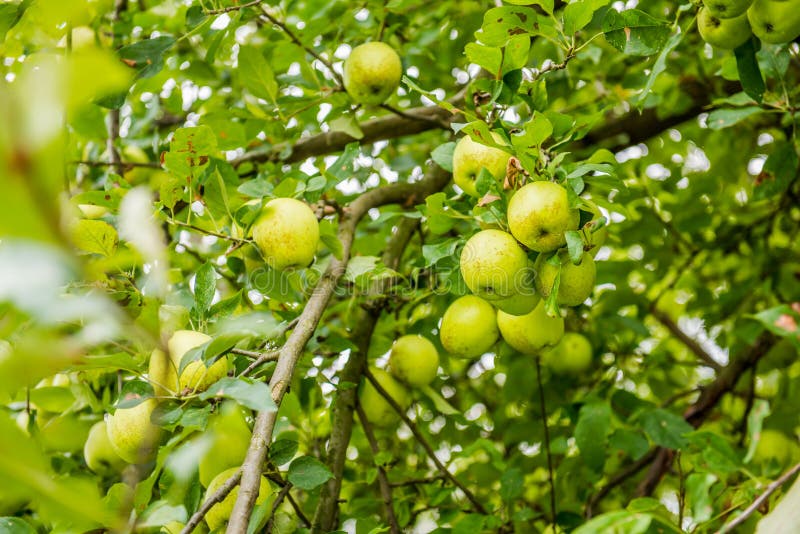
632	443
469	524
546	5
147	56
443	155
659	66
327	234
134	392
190	151
441	404
665	428
779	171
717	452
348	124
574	245
227	306
256	74
308	473
282	451
782	320
576	16
488	57
591	432
343	167
15	525
723	118
748	69
511	484
250	393
8	17
534	133
96	237
434	253
634	32
205	285
621	521
360	266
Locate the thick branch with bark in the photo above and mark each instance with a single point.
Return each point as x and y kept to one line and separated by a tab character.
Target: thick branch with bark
325	517
398	193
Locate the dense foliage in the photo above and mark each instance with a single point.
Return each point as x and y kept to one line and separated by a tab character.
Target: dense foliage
140	141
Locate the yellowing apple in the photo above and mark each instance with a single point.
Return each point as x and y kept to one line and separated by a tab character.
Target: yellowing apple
469	327
726	9
378	411
530	333
775	21
163	370
414	360
539	214
132	435
230	439
571	356
217	517
469	157
493	264
287	233
372	73
723	33
576	283
99	453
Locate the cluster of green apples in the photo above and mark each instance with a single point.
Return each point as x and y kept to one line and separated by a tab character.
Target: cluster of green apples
508	288
728	24
413	363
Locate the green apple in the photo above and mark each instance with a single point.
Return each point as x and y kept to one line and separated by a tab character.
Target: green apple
525	298
469	327
539	214
571	356
414	360
218	515
65	432
576	283
287	233
726	9
230	439
469	157
378	411
98	452
175	527
775	21
530	333
372	73
723	33
774	445
163	371
133	437
493	264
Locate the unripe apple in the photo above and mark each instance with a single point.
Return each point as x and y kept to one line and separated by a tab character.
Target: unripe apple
539	214
525	298
372	73
378	411
230	439
133	437
723	33
469	157
469	327
65	432
287	233
218	515
727	9
163	371
577	281
530	333
774	445
493	265
175	527
571	356
99	453
414	360
775	21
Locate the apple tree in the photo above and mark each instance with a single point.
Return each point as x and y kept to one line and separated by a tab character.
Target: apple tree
389	266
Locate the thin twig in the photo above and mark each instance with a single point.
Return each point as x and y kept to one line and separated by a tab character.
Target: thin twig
217	497
417	481
383	481
618	479
125	164
741	518
296	40
691	343
543	407
425	445
441	123
208	232
278	500
228	9
271	356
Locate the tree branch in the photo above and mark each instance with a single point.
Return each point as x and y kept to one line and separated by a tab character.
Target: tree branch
344	404
405	193
217	497
383	481
741	518
684	338
425	445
